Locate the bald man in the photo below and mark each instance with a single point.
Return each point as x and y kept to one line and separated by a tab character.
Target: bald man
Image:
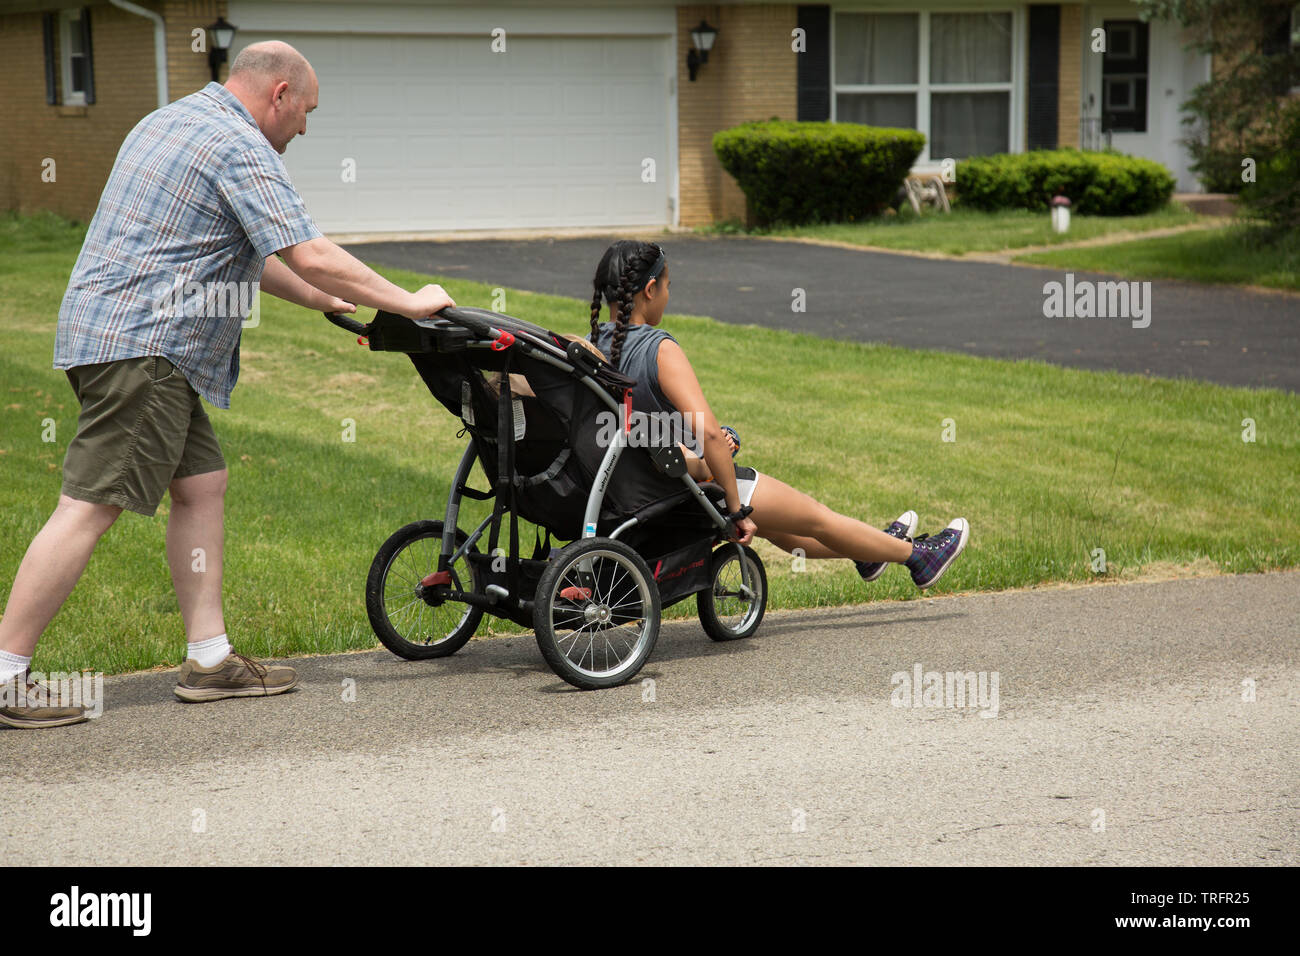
197	211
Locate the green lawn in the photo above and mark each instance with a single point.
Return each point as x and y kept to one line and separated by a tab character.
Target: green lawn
969	230
1221	255
1048	465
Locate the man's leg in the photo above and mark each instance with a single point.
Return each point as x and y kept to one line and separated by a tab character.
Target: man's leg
195	554
50	569
195	544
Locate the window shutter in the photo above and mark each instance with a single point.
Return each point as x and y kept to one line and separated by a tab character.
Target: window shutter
90	60
51	62
814	73
1044	71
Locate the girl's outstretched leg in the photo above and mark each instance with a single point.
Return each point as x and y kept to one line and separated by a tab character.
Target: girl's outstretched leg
784	511
811	547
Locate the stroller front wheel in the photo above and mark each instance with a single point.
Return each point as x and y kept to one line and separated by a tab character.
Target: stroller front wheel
409	623
726	611
596	613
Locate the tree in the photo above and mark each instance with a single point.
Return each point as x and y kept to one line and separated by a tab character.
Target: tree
1245	121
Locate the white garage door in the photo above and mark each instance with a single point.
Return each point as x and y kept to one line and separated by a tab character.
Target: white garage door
442	133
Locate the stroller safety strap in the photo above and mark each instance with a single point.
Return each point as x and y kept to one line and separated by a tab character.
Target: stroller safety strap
528	481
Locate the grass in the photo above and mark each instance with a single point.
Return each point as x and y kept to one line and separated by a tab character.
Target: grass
970	230
1048	465
1230	255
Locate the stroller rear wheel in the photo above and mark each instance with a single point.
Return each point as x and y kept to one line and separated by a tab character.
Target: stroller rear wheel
726	611
406	617
596	613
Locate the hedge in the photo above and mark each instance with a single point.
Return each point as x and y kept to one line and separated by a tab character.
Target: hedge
1097	183
1274	196
798	173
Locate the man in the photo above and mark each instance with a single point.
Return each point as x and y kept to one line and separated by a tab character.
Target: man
198	203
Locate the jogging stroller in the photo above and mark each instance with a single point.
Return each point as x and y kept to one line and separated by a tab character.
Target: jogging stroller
642	533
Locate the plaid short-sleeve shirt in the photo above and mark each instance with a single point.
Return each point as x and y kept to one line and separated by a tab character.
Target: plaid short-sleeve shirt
196	201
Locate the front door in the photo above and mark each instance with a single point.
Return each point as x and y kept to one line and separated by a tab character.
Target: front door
1133	91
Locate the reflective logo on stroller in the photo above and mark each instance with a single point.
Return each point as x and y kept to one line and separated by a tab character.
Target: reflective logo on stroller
678	573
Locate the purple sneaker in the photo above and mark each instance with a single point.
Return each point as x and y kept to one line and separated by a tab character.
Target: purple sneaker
904	528
932	556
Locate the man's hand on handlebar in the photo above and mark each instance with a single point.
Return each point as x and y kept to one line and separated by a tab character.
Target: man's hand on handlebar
335	304
746	529
430	299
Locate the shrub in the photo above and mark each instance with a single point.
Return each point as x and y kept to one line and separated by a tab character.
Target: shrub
1099	184
799	173
1274	196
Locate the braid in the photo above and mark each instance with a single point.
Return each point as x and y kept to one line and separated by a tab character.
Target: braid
595	316
624	310
620	292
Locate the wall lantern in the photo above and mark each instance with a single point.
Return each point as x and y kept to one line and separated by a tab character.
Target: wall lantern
220	35
702	38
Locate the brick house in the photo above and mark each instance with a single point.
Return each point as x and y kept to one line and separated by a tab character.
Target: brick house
532	114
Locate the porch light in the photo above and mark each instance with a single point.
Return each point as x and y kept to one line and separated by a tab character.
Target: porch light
220	34
702	39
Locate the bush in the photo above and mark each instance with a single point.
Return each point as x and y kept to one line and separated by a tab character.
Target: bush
1099	184
1274	196
799	173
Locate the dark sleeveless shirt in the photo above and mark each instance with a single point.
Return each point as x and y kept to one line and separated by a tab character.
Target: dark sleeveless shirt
640	360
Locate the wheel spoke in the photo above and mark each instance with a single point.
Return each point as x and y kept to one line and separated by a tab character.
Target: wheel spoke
593	648
408	614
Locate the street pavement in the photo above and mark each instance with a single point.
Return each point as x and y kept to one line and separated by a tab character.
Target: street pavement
1144	723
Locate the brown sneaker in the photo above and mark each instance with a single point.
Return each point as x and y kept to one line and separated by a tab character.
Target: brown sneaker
236	676
29	706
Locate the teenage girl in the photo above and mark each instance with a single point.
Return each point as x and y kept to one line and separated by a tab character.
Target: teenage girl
633	278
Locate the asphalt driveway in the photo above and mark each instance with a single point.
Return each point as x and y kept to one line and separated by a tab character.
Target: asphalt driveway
1219	334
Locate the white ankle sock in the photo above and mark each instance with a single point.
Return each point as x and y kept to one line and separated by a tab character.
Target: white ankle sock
11	665
211	652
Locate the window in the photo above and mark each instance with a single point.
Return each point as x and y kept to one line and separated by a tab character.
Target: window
1124	68
68	62
949	75
1282	39
1295	42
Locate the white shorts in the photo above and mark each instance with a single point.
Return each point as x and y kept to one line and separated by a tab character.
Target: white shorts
746	482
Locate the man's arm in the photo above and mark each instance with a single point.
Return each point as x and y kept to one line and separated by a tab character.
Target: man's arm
278	280
325	266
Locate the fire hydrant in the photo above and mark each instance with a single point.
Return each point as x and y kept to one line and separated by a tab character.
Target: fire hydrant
1060	214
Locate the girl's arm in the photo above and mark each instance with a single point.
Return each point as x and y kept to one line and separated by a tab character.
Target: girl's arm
680	386
695	465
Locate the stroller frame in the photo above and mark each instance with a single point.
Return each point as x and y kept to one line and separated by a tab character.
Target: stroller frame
480	331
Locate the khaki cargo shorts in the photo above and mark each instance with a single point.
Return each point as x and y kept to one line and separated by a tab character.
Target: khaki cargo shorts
141	425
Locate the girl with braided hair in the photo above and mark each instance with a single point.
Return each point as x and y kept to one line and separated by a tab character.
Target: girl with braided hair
632	278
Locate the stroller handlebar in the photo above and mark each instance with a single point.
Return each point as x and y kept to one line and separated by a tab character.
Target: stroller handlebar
474	319
351	325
